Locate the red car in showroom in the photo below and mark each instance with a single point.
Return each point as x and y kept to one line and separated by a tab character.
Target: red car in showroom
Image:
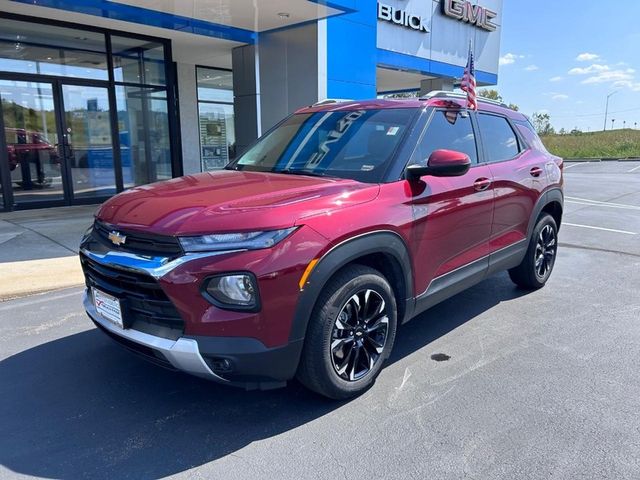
302	257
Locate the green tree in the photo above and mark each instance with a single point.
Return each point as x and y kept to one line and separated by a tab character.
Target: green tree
493	94
542	124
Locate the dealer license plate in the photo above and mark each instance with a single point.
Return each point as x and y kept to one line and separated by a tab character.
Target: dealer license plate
108	307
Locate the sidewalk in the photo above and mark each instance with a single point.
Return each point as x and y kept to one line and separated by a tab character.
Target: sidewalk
39	249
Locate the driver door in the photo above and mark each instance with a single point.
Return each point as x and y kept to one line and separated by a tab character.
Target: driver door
452	215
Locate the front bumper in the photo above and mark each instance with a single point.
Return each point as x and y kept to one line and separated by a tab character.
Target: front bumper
249	364
182	354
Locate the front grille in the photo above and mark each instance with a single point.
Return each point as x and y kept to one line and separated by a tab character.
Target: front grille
145	305
136	242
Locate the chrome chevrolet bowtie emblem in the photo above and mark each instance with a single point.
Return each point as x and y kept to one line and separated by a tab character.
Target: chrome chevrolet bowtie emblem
117	238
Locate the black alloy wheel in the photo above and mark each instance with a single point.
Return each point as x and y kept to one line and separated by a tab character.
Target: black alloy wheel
359	335
545	251
540	257
350	334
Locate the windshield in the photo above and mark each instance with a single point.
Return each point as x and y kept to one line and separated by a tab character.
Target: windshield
356	144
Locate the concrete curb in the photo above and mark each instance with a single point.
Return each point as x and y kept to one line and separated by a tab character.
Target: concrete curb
36	276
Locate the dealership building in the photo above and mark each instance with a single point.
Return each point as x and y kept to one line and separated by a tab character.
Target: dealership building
98	96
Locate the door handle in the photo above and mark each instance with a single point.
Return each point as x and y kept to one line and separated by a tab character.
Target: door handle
535	171
481	184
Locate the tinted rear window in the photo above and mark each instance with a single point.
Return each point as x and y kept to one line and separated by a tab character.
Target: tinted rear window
529	133
500	141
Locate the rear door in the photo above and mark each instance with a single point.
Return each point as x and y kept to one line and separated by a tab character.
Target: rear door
518	178
452	215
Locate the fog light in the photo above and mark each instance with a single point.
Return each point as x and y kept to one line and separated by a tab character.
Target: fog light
222	365
237	290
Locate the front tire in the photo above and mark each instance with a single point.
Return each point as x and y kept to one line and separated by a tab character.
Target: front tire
535	269
350	335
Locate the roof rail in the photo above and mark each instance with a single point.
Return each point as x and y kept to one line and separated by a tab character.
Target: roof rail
327	101
448	94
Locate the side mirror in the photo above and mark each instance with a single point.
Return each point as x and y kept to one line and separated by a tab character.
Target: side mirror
441	163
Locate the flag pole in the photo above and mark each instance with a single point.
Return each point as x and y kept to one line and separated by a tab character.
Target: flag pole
466	90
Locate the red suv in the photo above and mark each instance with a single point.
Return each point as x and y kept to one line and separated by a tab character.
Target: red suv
303	256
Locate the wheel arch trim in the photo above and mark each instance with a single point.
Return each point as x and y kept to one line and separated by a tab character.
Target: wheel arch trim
547	197
385	242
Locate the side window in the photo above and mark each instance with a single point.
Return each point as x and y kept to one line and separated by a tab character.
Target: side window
450	131
499	139
530	135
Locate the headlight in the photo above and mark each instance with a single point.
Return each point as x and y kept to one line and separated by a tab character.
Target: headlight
233	291
234	241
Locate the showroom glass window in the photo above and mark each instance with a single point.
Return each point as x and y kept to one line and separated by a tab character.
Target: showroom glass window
39	49
87	113
215	117
142	110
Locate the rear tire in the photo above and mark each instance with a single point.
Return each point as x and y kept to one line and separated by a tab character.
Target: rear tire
350	334
537	265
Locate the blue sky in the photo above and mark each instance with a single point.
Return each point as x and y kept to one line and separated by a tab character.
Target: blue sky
564	57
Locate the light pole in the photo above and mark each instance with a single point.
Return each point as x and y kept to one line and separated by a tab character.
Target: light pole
612	121
606	109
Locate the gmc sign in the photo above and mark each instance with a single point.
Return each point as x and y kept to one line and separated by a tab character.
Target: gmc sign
465	11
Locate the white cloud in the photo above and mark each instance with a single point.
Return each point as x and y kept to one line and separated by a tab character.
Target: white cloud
531	68
628	84
617	75
556	79
509	58
587	57
603	74
610	76
559	96
590	69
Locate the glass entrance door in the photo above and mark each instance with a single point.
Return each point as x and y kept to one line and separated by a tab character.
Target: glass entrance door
32	136
87	141
59	142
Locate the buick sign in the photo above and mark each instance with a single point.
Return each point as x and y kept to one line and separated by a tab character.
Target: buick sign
465	11
402	18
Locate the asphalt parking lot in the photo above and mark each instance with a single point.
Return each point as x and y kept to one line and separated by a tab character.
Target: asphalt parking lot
538	385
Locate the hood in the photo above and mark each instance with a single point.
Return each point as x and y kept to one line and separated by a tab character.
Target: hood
227	201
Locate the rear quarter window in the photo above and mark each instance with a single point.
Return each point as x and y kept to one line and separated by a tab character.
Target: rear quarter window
499	139
529	134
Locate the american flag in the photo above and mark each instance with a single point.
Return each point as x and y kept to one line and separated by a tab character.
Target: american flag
469	82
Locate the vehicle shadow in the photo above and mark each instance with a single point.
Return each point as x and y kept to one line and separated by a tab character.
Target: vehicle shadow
81	407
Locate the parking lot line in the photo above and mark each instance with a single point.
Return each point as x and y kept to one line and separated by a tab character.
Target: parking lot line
575	165
599	228
587	201
591	204
634	169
